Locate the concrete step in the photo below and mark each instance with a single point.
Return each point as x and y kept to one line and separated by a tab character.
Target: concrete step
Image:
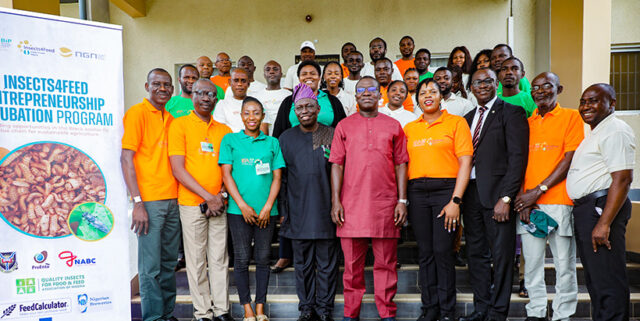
285	306
407	278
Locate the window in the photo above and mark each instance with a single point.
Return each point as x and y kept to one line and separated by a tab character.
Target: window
625	76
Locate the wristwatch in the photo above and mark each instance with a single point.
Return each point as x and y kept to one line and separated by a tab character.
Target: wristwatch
137	199
457	200
403	201
506	199
543	188
224	195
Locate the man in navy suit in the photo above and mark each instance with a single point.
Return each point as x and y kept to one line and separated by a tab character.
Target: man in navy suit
500	134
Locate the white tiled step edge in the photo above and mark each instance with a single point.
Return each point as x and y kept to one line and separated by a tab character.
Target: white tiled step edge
415	267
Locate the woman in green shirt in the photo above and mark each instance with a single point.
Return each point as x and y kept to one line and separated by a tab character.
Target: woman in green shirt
331	110
252	165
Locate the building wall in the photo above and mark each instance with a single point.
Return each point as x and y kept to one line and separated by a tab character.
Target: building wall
625	25
180	31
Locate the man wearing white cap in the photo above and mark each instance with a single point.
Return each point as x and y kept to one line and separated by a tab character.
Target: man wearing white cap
307	52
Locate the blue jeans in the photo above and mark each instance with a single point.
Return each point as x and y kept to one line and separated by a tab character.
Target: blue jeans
243	234
157	259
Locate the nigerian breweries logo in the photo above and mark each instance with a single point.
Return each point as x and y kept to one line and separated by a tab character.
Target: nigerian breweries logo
68	53
29	49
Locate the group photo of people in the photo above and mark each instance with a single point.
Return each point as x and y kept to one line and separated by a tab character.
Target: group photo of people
335	159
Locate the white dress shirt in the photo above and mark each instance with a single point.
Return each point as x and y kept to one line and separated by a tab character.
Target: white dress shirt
369	70
402	115
456	105
227	111
610	147
475	123
348	102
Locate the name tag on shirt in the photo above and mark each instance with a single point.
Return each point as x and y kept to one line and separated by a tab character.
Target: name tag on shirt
206	147
262	168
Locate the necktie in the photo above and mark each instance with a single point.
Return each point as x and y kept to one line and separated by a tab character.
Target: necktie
476	131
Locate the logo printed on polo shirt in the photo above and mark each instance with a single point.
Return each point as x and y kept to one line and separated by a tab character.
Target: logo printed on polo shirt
542	147
426	141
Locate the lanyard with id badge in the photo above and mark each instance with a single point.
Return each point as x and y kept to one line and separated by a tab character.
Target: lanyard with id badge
262	168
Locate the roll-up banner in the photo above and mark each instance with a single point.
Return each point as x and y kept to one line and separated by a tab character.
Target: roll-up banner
63	207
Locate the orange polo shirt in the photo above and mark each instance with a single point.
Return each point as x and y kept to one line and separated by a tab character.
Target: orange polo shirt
384	99
145	133
403	65
345	71
434	148
222	82
408	103
560	131
189	136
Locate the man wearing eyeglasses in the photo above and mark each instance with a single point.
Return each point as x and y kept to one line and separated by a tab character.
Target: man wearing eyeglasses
228	111
369	198
555	133
500	136
153	189
194	144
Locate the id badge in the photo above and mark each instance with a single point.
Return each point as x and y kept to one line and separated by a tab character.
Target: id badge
262	168
206	147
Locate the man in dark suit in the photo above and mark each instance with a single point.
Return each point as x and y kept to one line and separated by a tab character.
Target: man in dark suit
500	134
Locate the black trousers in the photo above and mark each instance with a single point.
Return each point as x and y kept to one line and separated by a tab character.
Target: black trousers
605	271
437	275
316	266
487	238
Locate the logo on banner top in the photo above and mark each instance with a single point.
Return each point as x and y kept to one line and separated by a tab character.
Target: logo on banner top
8	262
72	259
30	50
67	53
40	258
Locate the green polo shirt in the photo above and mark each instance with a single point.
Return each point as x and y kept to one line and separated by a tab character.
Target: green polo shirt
179	106
522	99
524	85
429	74
325	116
243	153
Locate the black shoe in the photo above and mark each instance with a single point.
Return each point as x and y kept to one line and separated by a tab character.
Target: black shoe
277	269
325	317
475	316
535	319
522	291
204	319
460	260
307	316
181	265
224	317
428	315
